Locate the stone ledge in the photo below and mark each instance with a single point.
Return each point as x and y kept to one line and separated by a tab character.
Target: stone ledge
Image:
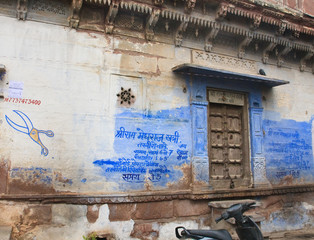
86	199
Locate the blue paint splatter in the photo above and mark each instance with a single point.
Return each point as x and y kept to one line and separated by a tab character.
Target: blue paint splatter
103	162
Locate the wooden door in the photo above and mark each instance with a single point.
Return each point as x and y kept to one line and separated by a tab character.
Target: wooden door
229	165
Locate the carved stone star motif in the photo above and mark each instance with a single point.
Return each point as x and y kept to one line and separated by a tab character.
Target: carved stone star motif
126	96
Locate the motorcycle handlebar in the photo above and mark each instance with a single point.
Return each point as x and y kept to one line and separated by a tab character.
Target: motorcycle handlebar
235	210
217	220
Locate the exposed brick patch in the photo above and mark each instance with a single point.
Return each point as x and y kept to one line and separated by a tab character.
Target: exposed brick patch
121	212
144	231
153	210
92	213
185	208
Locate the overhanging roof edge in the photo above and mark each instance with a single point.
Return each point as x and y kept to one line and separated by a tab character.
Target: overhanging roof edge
194	69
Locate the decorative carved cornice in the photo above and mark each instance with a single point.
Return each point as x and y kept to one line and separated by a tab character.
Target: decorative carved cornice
21	9
157	196
272	13
156	11
135	6
269	16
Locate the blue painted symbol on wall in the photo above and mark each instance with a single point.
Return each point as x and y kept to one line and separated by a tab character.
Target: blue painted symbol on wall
28	129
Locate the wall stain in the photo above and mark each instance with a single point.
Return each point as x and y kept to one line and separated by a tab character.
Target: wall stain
31	217
31	187
186	180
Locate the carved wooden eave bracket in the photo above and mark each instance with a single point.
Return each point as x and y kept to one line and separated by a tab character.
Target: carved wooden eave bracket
21	9
151	22
271	46
307	57
179	32
282	28
158	3
75	17
211	37
246	41
285	51
189	5
111	15
256	22
222	11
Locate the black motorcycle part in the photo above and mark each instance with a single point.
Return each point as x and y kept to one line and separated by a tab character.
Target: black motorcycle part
248	230
199	234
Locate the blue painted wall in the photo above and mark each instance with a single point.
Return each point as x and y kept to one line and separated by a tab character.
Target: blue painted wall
150	149
288	150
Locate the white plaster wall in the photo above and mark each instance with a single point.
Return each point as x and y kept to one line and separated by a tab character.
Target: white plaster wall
290	101
76	76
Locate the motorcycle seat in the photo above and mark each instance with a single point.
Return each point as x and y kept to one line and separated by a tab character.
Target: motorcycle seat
216	234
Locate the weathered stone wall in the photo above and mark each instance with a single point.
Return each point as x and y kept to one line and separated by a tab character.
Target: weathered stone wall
280	217
70	82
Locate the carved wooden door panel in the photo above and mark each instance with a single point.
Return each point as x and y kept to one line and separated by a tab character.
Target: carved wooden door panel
227	142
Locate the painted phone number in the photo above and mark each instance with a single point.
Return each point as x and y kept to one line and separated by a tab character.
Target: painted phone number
23	100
